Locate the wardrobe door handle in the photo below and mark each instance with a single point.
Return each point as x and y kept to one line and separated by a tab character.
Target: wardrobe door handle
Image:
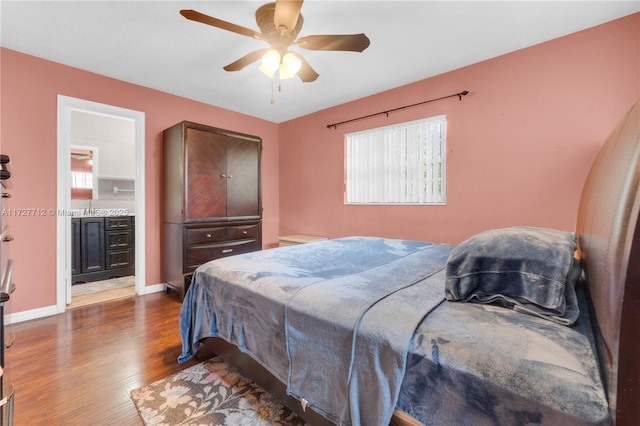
223	175
227	250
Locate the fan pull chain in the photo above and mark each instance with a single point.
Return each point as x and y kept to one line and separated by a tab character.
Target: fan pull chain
276	76
272	98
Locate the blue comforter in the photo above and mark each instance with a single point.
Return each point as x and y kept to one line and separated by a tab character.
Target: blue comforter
286	307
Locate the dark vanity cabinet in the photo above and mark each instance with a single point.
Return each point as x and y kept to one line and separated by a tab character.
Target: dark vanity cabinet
92	245
212	206
118	242
102	248
76	252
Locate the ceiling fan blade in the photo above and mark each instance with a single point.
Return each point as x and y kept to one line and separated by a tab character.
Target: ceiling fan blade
306	73
246	60
219	23
345	42
286	14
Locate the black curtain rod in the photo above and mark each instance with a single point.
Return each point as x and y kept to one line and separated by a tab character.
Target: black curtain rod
459	95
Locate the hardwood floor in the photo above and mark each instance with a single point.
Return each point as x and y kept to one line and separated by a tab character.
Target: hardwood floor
79	367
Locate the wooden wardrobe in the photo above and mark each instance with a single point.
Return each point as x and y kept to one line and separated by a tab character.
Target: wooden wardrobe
212	205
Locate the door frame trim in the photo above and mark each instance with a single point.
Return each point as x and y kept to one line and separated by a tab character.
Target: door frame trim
66	105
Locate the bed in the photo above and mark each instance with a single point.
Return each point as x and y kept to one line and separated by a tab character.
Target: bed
520	325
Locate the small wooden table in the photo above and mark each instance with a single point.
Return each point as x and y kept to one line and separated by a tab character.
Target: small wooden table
290	240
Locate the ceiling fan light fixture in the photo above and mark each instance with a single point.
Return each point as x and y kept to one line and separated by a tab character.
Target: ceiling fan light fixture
271	61
291	63
286	68
283	74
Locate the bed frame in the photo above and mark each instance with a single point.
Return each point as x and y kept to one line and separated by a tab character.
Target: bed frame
608	233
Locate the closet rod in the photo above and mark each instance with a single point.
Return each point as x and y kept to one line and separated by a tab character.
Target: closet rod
116	190
459	95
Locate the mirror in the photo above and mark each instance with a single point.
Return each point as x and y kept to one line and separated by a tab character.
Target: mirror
84	173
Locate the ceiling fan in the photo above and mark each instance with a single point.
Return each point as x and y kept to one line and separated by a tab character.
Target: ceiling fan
280	23
81	155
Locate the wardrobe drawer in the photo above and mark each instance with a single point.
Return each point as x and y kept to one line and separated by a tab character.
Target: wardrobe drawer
197	255
206	235
241	232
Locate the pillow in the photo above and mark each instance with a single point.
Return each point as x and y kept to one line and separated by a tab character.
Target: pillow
531	270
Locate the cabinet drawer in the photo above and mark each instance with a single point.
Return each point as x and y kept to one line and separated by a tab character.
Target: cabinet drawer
206	235
242	232
118	240
197	255
117	223
118	259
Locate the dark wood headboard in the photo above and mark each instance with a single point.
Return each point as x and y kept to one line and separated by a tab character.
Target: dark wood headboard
609	239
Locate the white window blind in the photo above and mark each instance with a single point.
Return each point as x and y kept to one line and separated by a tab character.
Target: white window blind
83	180
399	164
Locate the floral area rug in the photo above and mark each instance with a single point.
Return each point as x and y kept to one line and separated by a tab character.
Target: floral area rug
210	393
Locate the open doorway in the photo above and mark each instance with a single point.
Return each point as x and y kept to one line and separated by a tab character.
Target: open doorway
100	236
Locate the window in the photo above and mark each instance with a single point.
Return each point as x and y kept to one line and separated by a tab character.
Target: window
82	180
399	164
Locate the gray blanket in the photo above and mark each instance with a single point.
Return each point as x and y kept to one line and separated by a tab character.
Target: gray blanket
286	308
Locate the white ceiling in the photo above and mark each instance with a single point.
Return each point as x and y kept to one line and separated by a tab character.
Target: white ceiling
149	43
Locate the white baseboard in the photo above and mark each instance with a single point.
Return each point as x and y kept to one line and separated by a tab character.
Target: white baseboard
154	288
31	314
53	310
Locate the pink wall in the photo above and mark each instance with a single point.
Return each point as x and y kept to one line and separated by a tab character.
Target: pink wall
519	145
28	134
